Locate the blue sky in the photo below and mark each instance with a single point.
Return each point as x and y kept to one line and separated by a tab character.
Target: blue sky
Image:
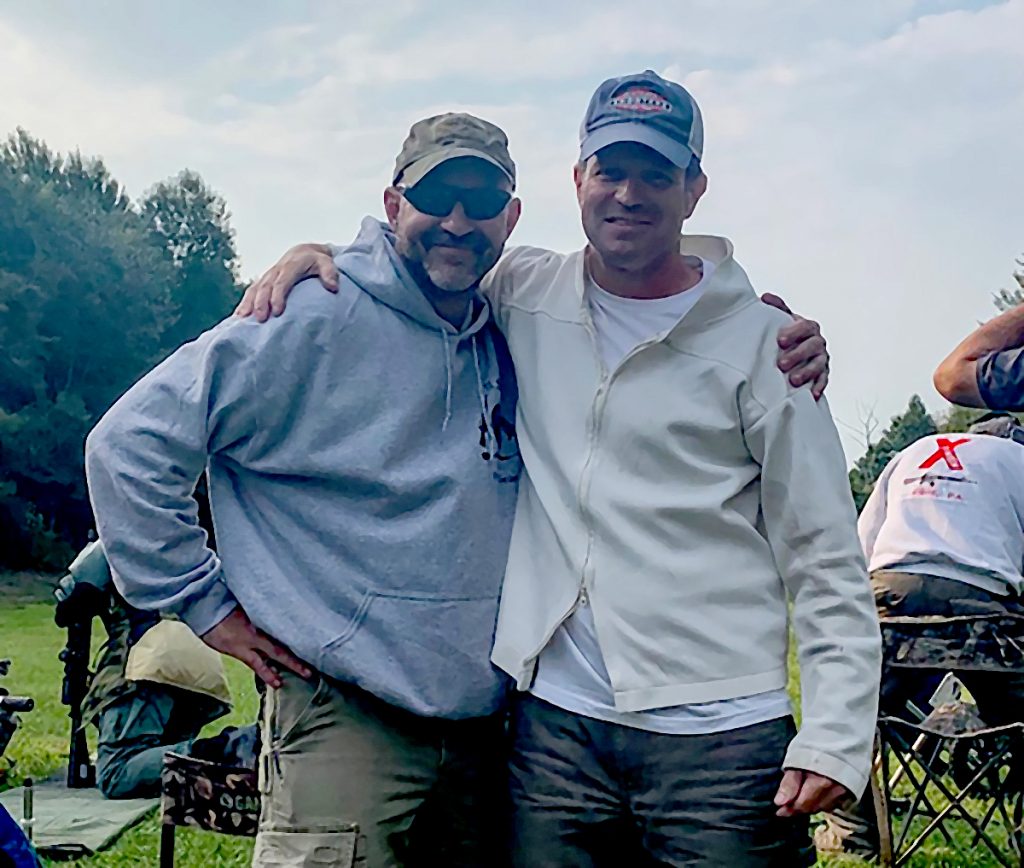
865	158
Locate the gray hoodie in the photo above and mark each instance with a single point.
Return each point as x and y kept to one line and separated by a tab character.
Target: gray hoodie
362	471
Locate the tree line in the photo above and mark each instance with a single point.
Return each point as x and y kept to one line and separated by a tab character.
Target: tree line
94	289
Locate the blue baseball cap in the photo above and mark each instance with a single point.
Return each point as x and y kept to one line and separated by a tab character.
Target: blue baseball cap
647	109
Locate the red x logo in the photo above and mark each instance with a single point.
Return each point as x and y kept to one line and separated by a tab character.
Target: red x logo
946	451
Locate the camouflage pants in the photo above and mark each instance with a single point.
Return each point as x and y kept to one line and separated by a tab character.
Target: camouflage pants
349	780
134	734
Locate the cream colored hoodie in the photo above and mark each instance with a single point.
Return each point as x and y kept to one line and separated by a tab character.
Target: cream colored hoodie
685	493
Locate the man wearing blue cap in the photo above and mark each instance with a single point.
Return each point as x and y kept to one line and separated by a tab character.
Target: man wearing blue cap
678	491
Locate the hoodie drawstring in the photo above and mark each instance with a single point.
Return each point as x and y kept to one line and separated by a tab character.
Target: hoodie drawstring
490	441
448	387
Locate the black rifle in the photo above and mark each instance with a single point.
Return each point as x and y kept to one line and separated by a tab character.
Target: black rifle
75	657
10	706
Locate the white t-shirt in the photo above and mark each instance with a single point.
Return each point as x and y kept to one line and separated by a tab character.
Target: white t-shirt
951	505
570	670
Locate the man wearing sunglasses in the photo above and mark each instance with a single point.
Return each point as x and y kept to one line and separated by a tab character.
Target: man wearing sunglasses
677	489
362	474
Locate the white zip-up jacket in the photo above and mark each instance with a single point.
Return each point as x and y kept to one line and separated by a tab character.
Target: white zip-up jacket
685	492
951	505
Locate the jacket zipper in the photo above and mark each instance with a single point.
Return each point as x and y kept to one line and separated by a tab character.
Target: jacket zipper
593	431
583	487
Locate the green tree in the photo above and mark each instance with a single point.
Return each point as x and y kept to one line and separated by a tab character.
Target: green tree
956	419
32	160
84	306
94	290
913	424
1007	298
191	223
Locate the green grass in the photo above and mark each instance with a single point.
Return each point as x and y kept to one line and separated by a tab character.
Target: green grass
28	636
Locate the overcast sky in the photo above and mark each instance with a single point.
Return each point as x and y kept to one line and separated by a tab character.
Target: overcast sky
867	159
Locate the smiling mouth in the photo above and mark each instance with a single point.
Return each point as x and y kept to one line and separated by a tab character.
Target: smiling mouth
627	221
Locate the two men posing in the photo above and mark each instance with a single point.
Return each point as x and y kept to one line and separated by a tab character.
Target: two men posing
675	491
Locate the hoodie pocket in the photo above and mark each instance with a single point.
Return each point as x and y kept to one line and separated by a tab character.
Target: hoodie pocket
427	652
350	629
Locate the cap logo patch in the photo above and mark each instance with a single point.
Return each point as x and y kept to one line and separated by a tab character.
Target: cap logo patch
642	100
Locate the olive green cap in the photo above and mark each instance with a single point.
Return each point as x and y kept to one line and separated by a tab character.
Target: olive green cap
436	140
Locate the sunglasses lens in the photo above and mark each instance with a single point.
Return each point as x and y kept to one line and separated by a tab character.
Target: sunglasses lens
434	200
484	204
438	200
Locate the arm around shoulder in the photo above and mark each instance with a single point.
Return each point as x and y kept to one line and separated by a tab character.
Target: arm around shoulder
513	273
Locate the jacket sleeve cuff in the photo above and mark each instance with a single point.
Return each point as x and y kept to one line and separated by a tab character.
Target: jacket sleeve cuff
811	760
205	612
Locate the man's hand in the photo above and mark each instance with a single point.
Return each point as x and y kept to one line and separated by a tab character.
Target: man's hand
237	637
267	295
803	354
803	792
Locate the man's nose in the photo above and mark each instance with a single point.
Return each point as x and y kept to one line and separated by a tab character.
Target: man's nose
457	223
628	193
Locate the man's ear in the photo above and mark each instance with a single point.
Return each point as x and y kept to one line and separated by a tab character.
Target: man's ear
512	214
392	205
578	171
694	190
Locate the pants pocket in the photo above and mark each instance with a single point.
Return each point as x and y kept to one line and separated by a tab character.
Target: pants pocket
334	848
295	708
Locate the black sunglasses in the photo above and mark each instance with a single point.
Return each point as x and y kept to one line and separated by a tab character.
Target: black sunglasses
438	200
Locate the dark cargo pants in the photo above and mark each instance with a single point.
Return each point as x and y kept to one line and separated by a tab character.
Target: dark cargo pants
586	794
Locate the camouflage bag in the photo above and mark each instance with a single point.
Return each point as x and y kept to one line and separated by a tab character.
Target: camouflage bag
985	643
209	796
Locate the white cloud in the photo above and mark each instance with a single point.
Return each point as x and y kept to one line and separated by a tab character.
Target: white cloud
878	187
46	94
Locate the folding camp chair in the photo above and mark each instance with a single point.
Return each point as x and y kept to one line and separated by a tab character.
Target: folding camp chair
205	795
949	774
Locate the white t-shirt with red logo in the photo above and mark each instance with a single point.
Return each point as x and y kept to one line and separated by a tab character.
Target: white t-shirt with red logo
950	505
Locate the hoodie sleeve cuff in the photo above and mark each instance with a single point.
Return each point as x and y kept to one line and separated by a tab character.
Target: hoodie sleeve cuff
811	760
206	611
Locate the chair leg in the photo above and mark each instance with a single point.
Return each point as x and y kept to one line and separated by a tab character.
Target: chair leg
903	750
166	845
878	796
955	804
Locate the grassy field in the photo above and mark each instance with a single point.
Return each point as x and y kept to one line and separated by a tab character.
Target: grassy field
28	636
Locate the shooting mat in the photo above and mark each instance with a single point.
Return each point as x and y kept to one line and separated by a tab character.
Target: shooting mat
76	821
